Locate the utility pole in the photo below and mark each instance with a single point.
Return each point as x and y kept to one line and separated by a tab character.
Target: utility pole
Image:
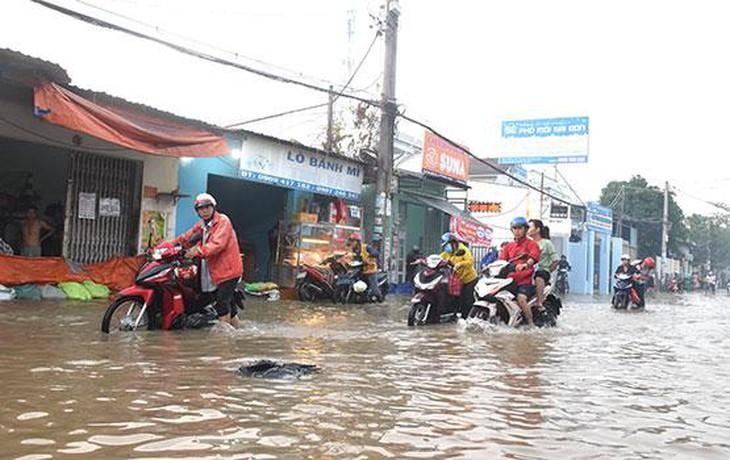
330	121
665	225
542	194
382	228
621	212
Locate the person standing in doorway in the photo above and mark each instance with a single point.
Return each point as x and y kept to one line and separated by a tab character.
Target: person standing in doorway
33	227
220	260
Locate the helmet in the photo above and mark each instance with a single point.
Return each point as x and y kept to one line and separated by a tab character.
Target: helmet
446	237
649	262
355	236
360	286
625	257
518	222
204	199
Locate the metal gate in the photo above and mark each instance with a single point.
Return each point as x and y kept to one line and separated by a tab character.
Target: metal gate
102	207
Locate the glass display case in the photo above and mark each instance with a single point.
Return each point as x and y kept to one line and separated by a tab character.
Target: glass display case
307	243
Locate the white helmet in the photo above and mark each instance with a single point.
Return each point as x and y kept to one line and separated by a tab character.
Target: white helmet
360	286
204	199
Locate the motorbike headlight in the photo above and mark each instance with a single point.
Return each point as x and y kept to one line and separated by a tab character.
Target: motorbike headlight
301	275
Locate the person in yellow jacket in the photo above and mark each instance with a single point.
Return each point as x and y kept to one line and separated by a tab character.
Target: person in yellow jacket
458	255
369	257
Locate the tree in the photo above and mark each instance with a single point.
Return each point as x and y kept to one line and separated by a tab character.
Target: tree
710	240
641	206
354	131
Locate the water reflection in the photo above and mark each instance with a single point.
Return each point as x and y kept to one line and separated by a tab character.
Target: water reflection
602	384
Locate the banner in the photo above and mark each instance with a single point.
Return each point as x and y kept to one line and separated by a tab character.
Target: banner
472	232
444	160
599	218
310	171
550	140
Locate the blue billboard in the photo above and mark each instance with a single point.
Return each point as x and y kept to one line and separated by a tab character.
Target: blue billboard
545	140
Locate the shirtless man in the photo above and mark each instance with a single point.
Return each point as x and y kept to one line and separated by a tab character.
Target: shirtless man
32	228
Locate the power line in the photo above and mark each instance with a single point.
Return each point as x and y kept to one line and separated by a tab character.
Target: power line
201	55
487	163
316	106
719	206
569	186
196	41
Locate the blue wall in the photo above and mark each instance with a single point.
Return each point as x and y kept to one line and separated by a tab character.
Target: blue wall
581	256
193	179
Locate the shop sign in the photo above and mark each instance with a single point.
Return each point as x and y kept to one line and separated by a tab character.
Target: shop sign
547	140
558	210
599	218
284	166
485	207
87	205
470	231
444	160
110	207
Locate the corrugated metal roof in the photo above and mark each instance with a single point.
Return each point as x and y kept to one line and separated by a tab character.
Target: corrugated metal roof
15	65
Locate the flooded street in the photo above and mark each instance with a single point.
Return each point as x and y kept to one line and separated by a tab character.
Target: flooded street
601	385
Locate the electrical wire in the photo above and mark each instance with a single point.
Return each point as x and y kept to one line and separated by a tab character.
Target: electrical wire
719	206
487	163
569	186
316	106
201	55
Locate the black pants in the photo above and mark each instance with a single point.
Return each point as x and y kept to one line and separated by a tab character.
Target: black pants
224	302
466	299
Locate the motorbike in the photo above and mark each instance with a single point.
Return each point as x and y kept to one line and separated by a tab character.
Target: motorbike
432	302
561	281
165	295
351	287
496	302
317	282
625	293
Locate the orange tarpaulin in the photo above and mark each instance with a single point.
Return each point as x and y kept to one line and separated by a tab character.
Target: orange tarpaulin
115	273
134	129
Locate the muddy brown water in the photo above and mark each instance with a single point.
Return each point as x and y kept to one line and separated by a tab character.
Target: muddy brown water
601	385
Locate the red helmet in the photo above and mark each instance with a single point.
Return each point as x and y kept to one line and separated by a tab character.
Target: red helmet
649	262
355	236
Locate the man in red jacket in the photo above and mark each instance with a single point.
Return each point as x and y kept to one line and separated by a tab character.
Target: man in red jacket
524	253
220	259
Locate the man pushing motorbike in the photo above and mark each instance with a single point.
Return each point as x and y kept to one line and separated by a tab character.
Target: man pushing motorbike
369	258
526	253
459	256
215	243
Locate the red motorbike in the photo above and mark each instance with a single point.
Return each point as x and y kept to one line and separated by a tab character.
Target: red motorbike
165	295
315	282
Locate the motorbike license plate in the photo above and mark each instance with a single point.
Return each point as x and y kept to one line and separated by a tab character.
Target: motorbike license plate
301	275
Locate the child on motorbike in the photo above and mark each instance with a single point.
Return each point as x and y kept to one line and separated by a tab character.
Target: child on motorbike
460	258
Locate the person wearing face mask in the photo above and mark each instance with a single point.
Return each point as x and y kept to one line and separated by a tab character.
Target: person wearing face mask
459	256
220	260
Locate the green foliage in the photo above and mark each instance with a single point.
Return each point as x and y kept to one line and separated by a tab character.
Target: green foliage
643	208
710	240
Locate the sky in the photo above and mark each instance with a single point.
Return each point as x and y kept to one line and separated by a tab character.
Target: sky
651	75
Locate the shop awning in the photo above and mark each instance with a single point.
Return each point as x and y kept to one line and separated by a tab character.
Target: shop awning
435	202
145	131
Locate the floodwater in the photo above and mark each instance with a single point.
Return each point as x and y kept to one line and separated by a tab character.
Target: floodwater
603	384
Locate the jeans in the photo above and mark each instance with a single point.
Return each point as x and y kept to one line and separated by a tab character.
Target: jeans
373	288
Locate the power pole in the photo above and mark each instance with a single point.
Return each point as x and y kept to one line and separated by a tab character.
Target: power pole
621	212
665	225
330	121
383	215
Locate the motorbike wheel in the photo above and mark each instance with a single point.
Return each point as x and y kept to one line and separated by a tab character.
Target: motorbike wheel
123	314
305	294
418	315
478	313
340	295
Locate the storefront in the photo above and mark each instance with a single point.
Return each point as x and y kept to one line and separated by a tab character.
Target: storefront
289	204
106	194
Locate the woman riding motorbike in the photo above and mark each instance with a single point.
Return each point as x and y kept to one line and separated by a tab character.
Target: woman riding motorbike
459	256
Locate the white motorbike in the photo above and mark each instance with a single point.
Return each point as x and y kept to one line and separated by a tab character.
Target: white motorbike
496	301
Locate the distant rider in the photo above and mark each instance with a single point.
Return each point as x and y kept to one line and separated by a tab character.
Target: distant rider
643	272
459	256
525	253
216	245
369	258
540	234
625	268
563	264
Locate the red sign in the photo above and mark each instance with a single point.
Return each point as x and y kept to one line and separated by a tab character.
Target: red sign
443	159
470	231
485	207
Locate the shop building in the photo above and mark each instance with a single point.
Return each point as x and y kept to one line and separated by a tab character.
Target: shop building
290	204
94	165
